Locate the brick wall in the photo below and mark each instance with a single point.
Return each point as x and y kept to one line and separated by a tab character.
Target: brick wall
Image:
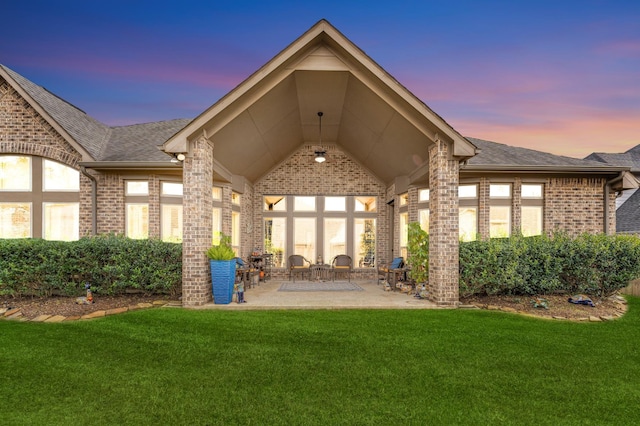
339	175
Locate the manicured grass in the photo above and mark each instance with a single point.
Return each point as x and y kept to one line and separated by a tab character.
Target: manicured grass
175	366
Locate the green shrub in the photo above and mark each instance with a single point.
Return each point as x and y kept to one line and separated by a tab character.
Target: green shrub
418	257
111	264
591	264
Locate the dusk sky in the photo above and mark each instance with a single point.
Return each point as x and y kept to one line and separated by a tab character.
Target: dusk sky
558	76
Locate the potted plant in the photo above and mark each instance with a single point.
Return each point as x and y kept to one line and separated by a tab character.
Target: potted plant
223	270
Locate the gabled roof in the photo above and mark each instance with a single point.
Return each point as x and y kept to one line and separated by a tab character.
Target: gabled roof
497	156
95	140
367	113
82	131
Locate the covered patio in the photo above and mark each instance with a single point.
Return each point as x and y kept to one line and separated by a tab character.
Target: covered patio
260	140
267	295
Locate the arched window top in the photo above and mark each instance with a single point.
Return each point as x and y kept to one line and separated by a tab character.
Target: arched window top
58	177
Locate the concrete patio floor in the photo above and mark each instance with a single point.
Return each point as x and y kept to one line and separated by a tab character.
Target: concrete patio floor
266	296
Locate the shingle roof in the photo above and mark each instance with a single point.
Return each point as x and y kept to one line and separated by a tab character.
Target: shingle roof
497	154
631	158
139	142
627	217
85	130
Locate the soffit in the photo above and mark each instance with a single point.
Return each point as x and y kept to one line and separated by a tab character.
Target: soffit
366	113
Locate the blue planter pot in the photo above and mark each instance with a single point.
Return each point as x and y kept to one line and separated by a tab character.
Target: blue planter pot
223	274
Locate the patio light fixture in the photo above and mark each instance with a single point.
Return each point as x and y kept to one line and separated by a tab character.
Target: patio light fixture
320	153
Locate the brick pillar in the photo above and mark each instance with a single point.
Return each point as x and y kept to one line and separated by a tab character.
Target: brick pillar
197	202
443	225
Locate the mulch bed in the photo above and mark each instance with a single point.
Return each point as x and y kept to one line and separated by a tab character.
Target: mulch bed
558	306
67	306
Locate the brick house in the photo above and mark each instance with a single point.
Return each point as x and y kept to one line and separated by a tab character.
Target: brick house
248	167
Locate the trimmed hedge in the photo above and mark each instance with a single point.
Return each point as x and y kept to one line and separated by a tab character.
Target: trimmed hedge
591	264
111	264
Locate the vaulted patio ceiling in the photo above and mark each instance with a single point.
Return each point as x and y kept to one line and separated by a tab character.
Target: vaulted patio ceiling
366	113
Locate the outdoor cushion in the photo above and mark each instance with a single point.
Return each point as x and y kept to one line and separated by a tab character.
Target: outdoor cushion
397	263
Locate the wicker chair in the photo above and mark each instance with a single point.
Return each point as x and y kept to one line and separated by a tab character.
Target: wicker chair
341	264
299	265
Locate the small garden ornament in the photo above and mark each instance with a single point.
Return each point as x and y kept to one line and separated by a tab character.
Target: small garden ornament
88	299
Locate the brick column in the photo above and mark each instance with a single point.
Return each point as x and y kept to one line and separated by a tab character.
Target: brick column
443	225
197	207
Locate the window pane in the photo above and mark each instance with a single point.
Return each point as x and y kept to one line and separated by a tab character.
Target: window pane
216	224
404	199
468	191
58	177
275	239
404	230
531	221
423	216
275	203
61	221
15	173
532	191
137	221
235	231
137	187
423	195
499	221
365	204
335	204
304	237
365	240
15	220
304	204
216	193
235	198
468	223
335	238
172	223
500	191
171	188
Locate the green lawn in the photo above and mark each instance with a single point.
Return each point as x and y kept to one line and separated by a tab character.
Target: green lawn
177	366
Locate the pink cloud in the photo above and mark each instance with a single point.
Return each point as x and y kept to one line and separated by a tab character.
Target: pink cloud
570	136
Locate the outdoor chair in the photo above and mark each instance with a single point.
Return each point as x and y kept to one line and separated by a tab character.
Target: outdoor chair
341	264
299	265
393	272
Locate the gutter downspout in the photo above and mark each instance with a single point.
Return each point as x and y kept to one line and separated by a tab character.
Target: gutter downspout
94	201
607	187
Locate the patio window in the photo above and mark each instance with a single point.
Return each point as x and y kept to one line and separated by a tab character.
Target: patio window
404	234
335	204
275	203
500	210
532	209
58	177
335	238
61	221
365	240
275	239
304	204
15	173
40	198
15	220
171	218
365	204
137	220
468	212
304	237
